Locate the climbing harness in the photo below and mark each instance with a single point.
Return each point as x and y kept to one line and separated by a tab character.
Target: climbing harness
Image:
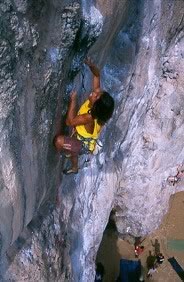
86	142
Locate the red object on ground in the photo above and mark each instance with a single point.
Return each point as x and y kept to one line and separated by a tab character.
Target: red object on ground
138	250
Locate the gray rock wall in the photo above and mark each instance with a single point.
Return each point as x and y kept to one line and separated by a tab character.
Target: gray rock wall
40	253
37	38
43	44
154	148
144	68
141	51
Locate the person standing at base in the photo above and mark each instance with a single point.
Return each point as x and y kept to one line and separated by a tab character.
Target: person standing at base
87	122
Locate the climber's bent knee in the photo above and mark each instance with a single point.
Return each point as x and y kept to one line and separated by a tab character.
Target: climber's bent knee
72	145
58	142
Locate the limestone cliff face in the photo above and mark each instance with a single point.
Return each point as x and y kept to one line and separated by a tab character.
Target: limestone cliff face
32	61
140	48
153	146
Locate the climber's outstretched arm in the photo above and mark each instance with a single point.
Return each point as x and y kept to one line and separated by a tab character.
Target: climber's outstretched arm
96	73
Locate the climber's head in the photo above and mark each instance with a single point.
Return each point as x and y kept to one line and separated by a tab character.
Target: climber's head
103	108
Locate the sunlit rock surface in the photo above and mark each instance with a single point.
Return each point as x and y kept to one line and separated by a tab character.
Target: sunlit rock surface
140	48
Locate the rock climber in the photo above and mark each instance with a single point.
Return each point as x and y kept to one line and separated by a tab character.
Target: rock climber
87	123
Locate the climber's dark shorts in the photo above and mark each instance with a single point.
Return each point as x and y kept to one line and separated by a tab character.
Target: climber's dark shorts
72	145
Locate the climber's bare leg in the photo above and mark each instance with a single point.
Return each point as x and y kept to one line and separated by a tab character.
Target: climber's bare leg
74	161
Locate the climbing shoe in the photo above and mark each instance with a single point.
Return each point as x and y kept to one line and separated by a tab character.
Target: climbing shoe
67	155
70	171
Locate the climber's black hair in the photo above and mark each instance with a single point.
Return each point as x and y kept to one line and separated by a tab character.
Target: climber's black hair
103	108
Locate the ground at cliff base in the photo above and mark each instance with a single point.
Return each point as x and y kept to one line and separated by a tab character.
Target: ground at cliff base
112	248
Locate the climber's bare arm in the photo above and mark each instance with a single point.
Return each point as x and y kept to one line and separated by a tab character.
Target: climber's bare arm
80	120
72	112
96	73
72	118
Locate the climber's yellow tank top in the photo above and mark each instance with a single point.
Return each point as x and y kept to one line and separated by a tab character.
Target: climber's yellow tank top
82	131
